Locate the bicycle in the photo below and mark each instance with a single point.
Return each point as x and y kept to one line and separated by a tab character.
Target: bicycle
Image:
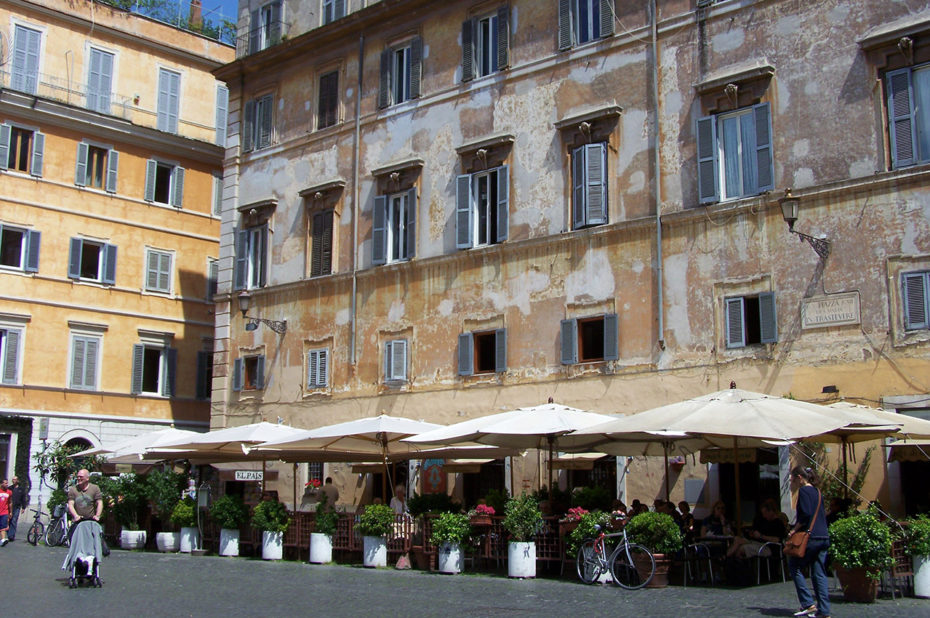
37	529
631	566
57	531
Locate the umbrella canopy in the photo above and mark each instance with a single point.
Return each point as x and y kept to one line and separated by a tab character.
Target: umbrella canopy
911	426
131	450
229	441
909	450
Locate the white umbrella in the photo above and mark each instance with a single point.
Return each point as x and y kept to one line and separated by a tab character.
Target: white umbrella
231	440
130	450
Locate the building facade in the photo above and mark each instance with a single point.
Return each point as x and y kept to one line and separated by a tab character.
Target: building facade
460	208
112	129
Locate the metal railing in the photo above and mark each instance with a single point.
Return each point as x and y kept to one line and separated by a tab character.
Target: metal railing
72	93
265	37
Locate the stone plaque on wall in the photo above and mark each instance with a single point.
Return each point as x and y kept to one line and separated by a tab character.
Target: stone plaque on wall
833	310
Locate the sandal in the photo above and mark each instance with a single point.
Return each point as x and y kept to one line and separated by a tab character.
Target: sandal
810	611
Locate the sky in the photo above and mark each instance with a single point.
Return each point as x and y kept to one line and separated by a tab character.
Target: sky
214	8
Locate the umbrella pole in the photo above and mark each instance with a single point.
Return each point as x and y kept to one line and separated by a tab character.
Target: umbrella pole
668	492
295	487
551	441
739	502
845	476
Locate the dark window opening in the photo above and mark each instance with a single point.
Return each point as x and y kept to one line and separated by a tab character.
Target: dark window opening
20	149
11	247
329	101
90	260
752	323
591	339
163	183
151	370
96	167
250	373
485	352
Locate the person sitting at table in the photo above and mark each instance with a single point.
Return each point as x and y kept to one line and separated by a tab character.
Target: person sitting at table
399	501
716	523
767	527
687	521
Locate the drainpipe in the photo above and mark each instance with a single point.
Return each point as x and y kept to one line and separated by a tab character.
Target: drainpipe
660	276
355	196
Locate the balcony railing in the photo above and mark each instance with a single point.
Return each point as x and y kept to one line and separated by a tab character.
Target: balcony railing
261	37
71	93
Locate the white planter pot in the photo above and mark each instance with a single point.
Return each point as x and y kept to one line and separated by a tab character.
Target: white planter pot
921	576
451	558
272	545
321	548
374	551
521	560
132	539
168	541
190	539
229	542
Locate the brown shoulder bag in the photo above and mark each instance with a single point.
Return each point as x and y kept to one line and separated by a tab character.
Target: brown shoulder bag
796	543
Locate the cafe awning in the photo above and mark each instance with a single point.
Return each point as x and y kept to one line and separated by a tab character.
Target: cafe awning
725	455
578	461
464	466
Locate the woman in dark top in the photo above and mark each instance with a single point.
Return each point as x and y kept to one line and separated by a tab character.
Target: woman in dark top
810	502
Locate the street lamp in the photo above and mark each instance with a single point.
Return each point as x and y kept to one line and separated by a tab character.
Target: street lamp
245	300
790	205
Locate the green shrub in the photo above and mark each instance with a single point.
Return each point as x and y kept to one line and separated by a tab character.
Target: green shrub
451	528
522	518
229	512
917	536
593	499
586	530
432	503
58	497
163	489
270	516
184	514
326	516
861	541
496	499
376	520
658	532
129	497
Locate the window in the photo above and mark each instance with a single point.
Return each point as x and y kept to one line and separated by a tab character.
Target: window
92	261
25	69
266	27
751	320
483	352
153	370
317	369
250	257
582	21
257	126
395	360
85	356
590	339
394	229
333	10
96	167
19	248
249	373
204	374
169	96
327	110
909	115
99	80
157	271
400	73
735	154
164	183
213	277
222	113
217	194
485	44
916	291
321	243
9	354
21	149
589	185
481	210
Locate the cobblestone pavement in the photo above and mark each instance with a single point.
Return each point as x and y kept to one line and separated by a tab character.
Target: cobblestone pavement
151	584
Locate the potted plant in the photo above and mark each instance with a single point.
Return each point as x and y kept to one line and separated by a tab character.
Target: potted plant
861	549
586	529
163	489
481	515
129	497
449	532
184	516
522	519
321	539
659	533
917	541
270	516
375	523
229	513
572	517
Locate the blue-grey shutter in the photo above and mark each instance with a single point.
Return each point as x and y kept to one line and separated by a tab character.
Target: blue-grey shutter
177	186
768	318
611	337
138	353
93	78
410	226
242	259
416	66
237	375
203	389
901	118
151	170
503	37
578	185
90	362
11	352
379	231
213	277
468	50
80	169
169	94
171	372
566	34
112	170
248	127
274	32
734	321
74	259
260	373
222	112
78	355
463	212
607	18
265	126
5	131
38	153
466	354
384	88
99	81
569	344
312	368
339	9
915	301
217	194
109	264
25	69
595	184
262	265
707	159
399	360
33	240
764	165
500	350
503	202
255	32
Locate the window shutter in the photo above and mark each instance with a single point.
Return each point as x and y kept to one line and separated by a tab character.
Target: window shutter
10	354
80	170
500	350
326	257
38	153
171	372
312	370
384	89
399	360
416	66
323	375
222	113
203	389
565	25
217	194
74	259
93	79
569	342
262	255
764	164
466	354
255	32
213	277
25	68
339	9
410	227
90	362
33	240
163	116
379	231
138	351
463	212
595	184
242	258
316	245
260	373
901	113
248	126
112	169
611	337
468	50
99	80
607	18
915	301
78	354
707	159
503	202
151	169
274	32
578	184
734	317
266	126
164	272
237	375
768	318
5	131
503	37
177	186
109	264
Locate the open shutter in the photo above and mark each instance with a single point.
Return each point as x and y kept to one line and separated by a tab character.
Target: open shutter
339	9
379	231
768	318
265	122
80	169
112	170
410	225
138	351
248	126
734	316
255	32
578	183
463	212
503	202
213	277
151	169
611	337
312	368
203	390
901	117
261	263
237	375
416	66
109	264
607	18
595	184
242	258
765	171
38	153
10	356
274	31
707	159
217	194
171	372
74	259
177	186
323	371
260	373
5	131
500	350
565	24
316	244
384	89
915	301
503	37
33	239
569	342
468	50
222	113
326	244
466	354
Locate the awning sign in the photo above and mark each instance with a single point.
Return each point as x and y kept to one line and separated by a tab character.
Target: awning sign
249	475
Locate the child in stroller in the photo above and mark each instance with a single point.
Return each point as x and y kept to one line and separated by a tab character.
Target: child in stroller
83	559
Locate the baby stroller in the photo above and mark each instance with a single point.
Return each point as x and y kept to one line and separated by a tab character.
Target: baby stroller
83	559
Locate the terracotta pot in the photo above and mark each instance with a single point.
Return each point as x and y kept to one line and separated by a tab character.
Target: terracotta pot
660	577
857	586
481	520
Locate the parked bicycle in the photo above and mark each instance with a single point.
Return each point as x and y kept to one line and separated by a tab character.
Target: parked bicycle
37	529
630	565
57	531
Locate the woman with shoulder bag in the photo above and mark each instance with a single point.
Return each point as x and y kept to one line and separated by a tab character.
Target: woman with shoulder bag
810	518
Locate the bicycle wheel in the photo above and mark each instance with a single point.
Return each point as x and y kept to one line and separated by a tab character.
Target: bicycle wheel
589	564
633	566
55	534
36	532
